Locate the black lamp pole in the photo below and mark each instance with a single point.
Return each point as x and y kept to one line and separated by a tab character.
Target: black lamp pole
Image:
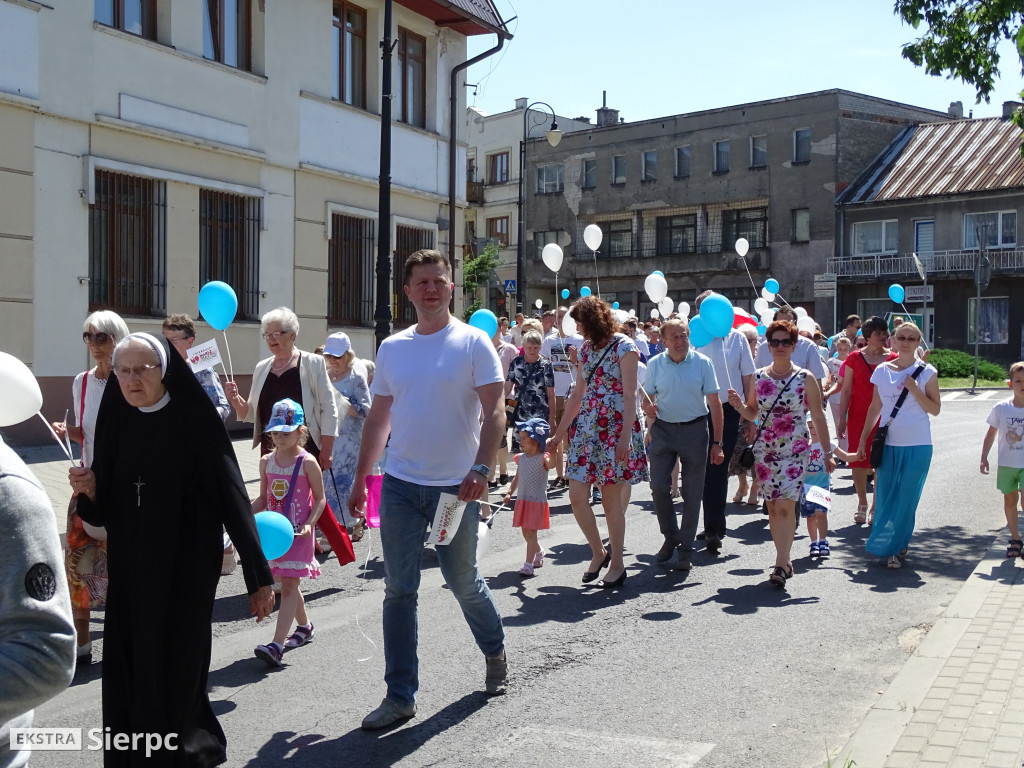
521	245
382	309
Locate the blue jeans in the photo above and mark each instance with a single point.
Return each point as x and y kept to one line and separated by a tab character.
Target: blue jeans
406	509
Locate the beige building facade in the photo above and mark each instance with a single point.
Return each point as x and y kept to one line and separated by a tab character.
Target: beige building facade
149	146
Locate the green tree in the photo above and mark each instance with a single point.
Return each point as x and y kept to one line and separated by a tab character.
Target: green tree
477	271
961	40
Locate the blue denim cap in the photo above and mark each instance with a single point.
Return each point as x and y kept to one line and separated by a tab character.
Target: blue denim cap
536	428
286	416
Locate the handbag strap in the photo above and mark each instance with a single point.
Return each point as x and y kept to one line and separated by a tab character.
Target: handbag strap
291	488
903	395
612	343
81	405
764	423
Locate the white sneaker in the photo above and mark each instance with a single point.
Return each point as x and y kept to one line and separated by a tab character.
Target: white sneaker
229	563
84	651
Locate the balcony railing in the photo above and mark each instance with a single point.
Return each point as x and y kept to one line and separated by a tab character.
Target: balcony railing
938	263
475	192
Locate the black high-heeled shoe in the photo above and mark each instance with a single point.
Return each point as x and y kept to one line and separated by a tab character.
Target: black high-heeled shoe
614	584
589	576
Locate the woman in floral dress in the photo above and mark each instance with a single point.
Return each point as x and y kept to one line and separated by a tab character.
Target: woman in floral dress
783	397
606	443
534	381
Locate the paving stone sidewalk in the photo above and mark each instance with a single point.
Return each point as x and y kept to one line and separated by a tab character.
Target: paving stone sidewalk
959	700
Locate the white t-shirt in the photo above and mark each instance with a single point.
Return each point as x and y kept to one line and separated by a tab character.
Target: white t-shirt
556	349
93	395
435	415
912	425
1010	423
732	360
805	355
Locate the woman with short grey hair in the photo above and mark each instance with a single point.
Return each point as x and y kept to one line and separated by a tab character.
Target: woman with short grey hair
85	556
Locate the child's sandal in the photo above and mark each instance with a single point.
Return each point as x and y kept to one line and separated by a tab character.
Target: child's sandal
538	559
299	637
1014	550
526	571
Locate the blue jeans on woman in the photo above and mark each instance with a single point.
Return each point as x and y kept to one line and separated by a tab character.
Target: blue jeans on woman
406	511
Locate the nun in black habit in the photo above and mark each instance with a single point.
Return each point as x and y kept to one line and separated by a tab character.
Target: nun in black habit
164	478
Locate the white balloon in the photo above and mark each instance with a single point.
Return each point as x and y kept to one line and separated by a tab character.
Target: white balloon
593	236
761	306
665	306
538	303
767	295
800	312
22	398
620	315
568	325
654	314
656	287
767	317
742	246
632	313
805	324
552	256
683	309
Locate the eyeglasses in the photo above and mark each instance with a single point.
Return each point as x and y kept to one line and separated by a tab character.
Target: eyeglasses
177	340
273	335
124	372
914	339
780	342
97	338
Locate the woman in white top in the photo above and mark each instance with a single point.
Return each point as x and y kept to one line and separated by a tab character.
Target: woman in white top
85	556
908	446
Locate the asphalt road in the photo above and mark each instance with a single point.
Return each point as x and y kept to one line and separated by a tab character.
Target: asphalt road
715	668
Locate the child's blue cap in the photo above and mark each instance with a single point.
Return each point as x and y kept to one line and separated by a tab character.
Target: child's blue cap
536	428
286	416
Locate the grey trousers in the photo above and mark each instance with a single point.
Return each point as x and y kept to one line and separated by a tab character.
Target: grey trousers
688	443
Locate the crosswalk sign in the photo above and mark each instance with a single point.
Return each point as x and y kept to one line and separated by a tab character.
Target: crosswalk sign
510	286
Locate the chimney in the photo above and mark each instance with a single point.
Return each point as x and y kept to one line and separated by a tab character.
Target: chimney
956	110
606	116
1009	107
521	103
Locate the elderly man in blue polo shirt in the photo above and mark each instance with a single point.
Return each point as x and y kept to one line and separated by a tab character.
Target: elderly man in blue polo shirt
682	391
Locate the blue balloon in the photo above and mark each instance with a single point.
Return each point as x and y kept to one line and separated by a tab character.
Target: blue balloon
772	285
761	329
276	534
565	293
218	304
615	305
717	315
513	324
585	291
699	335
896	293
658	272
485	320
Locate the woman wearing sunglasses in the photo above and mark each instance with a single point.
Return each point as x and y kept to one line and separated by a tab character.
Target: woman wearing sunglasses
783	397
85	557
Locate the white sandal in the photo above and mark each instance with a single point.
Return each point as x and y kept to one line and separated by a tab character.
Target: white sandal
894	562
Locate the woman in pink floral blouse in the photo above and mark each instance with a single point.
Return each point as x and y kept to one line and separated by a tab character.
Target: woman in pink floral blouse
783	396
606	445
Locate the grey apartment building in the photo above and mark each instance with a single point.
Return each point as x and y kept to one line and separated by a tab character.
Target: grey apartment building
675	193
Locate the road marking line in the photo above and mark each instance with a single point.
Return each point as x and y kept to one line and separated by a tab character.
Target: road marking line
614	749
953	396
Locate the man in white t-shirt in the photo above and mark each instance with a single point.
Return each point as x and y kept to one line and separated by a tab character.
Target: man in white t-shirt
437	391
557	348
517	331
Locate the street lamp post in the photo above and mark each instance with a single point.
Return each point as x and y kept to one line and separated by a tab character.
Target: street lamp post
982	276
553	136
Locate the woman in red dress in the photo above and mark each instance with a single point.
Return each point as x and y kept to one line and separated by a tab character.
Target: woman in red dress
853	405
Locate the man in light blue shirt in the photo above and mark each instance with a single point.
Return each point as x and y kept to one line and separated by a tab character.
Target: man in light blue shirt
682	391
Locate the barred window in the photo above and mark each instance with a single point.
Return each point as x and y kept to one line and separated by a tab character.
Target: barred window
350	270
127	245
677	234
408	240
618	238
229	246
751	223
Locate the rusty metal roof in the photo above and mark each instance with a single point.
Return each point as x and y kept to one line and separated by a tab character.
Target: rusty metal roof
949	158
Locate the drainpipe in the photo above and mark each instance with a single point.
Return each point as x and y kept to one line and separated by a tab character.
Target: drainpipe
453	134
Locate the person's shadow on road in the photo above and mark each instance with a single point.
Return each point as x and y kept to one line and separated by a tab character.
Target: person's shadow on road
750	598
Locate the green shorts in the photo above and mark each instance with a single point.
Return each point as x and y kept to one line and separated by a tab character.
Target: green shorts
1009	480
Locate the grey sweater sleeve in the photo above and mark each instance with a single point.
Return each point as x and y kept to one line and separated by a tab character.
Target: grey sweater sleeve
37	636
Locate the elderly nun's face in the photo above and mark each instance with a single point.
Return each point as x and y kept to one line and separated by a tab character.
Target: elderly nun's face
138	373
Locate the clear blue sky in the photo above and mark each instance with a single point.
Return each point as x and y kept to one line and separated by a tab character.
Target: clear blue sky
664	57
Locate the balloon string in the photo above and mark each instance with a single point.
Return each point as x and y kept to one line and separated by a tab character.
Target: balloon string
750	277
597	277
54	434
725	363
907	312
228	348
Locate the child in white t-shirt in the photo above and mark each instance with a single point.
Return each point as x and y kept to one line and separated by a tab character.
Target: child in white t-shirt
816	494
1006	420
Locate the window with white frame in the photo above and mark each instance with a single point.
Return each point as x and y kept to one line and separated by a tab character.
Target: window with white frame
589	173
871	237
549	178
758	151
801	225
997	229
542	238
721	156
619	169
683	162
650	165
993	320
802	145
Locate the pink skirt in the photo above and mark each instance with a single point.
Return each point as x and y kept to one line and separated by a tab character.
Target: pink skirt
534	515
